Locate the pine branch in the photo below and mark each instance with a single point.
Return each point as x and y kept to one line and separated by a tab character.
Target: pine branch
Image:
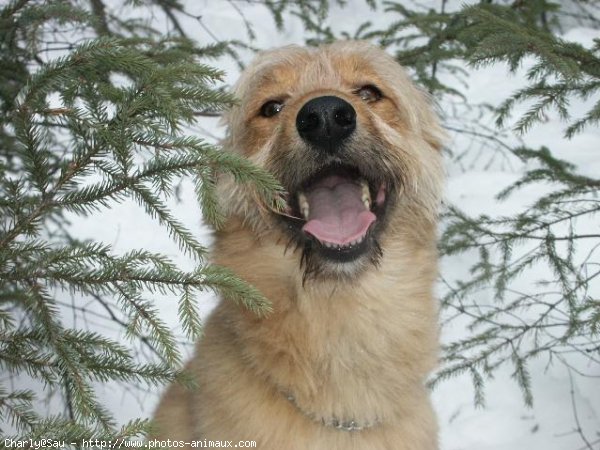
103	122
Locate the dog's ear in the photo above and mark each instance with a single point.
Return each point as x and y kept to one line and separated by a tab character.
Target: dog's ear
435	135
228	121
424	116
433	132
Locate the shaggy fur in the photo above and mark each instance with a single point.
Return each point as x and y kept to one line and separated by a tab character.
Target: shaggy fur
350	341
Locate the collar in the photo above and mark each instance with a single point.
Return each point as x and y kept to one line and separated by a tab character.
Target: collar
331	422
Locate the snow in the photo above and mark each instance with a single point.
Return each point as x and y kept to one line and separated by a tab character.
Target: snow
505	423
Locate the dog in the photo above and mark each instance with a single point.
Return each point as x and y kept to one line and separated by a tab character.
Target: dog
349	266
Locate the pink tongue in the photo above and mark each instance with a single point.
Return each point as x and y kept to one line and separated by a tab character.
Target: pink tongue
337	213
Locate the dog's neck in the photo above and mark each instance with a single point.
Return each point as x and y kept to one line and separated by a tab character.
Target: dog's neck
351	425
352	352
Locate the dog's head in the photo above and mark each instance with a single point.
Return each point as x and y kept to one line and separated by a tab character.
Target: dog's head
351	139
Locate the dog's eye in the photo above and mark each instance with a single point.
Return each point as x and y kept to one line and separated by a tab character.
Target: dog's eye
369	93
271	108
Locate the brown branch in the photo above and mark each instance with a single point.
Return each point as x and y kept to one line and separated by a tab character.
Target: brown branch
99	10
168	10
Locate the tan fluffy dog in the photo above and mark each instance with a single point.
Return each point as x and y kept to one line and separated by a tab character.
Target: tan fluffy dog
341	362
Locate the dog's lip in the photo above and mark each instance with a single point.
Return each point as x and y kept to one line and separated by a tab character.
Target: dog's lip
332	226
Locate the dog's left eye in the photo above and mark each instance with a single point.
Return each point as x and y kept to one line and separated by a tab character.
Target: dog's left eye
271	108
369	93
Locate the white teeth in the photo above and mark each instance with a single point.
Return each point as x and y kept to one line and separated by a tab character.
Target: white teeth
303	202
344	246
366	194
357	241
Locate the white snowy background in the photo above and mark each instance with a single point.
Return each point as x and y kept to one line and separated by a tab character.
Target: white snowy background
560	405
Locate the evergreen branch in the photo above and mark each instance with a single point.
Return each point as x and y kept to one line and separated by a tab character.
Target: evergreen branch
206	192
145	340
118	189
24	352
99	10
118	96
12	8
143	316
16	408
187	310
168	8
155	208
231	287
591	118
75	167
68	365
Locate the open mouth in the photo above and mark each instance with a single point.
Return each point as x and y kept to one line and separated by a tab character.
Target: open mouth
337	209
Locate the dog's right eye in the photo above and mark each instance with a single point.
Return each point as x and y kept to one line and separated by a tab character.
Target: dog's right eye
271	108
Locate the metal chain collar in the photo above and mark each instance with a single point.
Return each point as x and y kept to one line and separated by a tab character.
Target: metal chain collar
332	422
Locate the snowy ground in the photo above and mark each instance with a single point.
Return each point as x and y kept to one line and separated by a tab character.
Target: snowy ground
505	424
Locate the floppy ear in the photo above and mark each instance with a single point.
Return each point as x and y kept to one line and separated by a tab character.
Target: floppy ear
435	135
431	127
423	113
228	121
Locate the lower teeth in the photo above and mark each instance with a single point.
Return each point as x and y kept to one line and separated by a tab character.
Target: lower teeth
342	247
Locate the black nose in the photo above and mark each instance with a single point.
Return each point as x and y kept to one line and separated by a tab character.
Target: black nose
326	121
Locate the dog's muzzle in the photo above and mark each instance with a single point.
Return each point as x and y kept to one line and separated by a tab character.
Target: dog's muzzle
325	122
